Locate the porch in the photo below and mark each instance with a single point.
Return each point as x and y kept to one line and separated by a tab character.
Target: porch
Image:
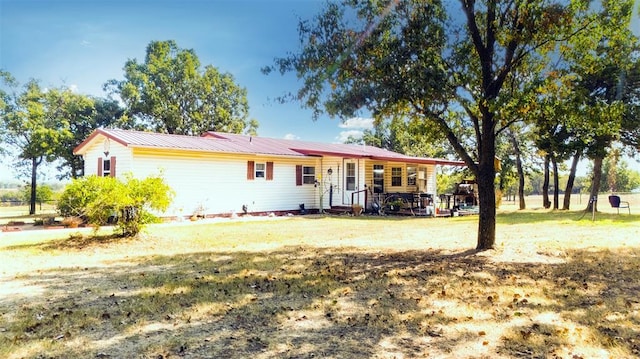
392	203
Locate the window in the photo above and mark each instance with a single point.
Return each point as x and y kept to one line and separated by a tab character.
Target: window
106	168
308	175
378	179
351	176
260	169
411	176
396	176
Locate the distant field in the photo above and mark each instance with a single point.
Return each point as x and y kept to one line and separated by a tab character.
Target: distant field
12	211
579	202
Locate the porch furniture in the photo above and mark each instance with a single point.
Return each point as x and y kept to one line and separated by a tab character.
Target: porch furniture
415	204
617	203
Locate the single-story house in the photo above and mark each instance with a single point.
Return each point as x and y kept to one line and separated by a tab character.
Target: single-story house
220	173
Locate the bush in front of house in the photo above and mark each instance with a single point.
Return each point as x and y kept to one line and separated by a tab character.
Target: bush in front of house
127	203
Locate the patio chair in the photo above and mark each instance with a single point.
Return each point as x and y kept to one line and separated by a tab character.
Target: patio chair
616	203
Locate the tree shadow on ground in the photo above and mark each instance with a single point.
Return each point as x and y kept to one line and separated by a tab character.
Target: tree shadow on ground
75	241
305	302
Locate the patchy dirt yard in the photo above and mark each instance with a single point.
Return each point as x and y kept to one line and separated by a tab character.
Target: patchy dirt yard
312	287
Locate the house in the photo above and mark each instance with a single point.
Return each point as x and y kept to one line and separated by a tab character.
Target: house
220	173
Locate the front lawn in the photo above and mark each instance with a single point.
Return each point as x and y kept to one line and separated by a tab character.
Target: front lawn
328	287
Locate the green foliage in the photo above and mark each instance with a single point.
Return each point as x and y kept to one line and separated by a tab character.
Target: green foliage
424	61
44	193
171	93
30	127
11	196
616	175
80	116
447	180
403	135
100	199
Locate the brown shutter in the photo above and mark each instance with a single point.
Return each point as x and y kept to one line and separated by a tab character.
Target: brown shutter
112	167
99	166
298	175
269	171
251	171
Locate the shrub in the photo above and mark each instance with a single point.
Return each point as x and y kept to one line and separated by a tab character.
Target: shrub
128	203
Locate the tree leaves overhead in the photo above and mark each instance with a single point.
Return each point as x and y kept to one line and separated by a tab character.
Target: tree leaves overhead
429	61
171	93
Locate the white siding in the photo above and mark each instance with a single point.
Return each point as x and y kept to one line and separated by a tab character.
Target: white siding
219	185
96	150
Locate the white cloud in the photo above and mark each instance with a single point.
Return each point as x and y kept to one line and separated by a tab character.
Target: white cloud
344	135
291	136
357	122
73	88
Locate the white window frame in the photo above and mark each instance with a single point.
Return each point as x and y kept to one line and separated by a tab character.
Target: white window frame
260	173
378	178
395	176
350	177
308	178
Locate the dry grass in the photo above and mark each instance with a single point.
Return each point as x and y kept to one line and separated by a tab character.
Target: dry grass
312	287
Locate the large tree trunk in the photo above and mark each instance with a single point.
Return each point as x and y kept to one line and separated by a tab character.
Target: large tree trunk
545	184
556	183
572	177
516	149
486	190
595	184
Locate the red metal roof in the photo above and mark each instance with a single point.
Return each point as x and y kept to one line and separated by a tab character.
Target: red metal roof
219	142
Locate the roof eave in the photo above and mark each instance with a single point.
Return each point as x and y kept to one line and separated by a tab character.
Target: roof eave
80	149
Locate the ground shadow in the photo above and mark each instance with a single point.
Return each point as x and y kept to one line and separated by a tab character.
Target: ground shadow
306	302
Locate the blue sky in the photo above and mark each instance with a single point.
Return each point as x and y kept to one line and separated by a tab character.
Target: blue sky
83	43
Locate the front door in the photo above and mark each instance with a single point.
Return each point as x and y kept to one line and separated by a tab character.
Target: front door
350	181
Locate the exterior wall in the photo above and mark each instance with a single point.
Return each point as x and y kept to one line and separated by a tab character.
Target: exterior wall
334	187
213	184
122	154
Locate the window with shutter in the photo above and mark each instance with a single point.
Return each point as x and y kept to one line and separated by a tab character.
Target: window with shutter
308	175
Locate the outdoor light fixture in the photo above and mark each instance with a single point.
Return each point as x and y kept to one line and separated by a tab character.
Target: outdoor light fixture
329	171
106	145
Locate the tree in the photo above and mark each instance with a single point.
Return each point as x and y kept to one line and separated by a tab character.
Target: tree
44	193
404	136
630	128
84	114
616	175
519	167
31	131
598	63
421	60
171	93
